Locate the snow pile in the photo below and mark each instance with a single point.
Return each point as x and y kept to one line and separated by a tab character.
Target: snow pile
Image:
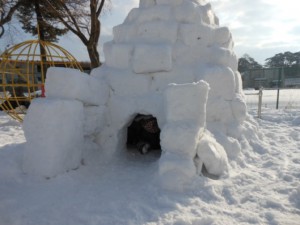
169	59
262	188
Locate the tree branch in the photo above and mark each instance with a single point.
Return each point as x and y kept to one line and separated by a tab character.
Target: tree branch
8	17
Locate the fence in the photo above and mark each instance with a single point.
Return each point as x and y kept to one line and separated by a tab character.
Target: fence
287	99
257	102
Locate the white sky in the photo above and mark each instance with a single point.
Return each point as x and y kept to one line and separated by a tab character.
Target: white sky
261	28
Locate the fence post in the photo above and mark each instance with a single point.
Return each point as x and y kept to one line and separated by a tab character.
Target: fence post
278	87
260	94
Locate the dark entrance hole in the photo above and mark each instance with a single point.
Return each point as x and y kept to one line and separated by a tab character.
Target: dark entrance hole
143	134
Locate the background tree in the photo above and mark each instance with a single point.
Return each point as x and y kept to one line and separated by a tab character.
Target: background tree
33	14
286	59
246	63
7	9
82	17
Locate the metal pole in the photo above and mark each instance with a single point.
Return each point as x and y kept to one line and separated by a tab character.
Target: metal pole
278	87
260	94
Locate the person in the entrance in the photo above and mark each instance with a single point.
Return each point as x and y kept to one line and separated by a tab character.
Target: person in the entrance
144	133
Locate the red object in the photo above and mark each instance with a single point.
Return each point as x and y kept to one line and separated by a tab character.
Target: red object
43	91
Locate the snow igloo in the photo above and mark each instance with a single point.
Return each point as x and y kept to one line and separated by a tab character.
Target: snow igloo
170	60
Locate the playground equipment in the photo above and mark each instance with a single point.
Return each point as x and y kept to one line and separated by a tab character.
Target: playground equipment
23	70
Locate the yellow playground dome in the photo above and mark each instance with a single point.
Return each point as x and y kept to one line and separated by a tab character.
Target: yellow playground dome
23	70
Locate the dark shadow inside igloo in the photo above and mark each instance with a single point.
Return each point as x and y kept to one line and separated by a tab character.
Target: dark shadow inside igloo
143	136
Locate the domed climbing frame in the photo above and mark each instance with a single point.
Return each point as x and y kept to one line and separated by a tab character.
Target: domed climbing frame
23	70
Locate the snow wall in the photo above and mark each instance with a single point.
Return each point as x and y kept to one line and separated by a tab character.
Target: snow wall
169	59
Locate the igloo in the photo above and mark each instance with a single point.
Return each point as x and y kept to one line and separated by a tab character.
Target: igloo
169	59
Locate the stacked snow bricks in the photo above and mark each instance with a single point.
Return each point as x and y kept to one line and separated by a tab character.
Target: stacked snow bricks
55	127
169	59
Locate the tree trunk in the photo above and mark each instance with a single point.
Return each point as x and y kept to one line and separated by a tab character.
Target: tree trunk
94	36
42	38
94	55
1	31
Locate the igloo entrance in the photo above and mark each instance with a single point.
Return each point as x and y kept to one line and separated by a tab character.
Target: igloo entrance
143	134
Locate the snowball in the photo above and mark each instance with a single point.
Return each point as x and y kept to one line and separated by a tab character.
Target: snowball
213	156
73	84
117	55
152	58
55	146
180	138
158	31
186	102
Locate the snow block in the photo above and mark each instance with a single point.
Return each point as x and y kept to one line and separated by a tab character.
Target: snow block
152	58
157	31
175	171
93	119
187	12
146	3
155	13
117	55
224	57
179	75
195	34
238	83
184	54
128	83
221	81
223	37
186	102
207	15
53	147
124	33
75	85
219	110
171	2
212	155
181	138
133	15
239	108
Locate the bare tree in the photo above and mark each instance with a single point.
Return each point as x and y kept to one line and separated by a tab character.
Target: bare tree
82	17
7	9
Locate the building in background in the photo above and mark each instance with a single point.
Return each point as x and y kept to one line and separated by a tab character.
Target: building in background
284	77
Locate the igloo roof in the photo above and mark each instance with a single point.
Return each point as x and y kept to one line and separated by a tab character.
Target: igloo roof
164	35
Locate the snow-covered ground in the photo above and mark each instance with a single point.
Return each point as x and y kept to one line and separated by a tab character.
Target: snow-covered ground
263	185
